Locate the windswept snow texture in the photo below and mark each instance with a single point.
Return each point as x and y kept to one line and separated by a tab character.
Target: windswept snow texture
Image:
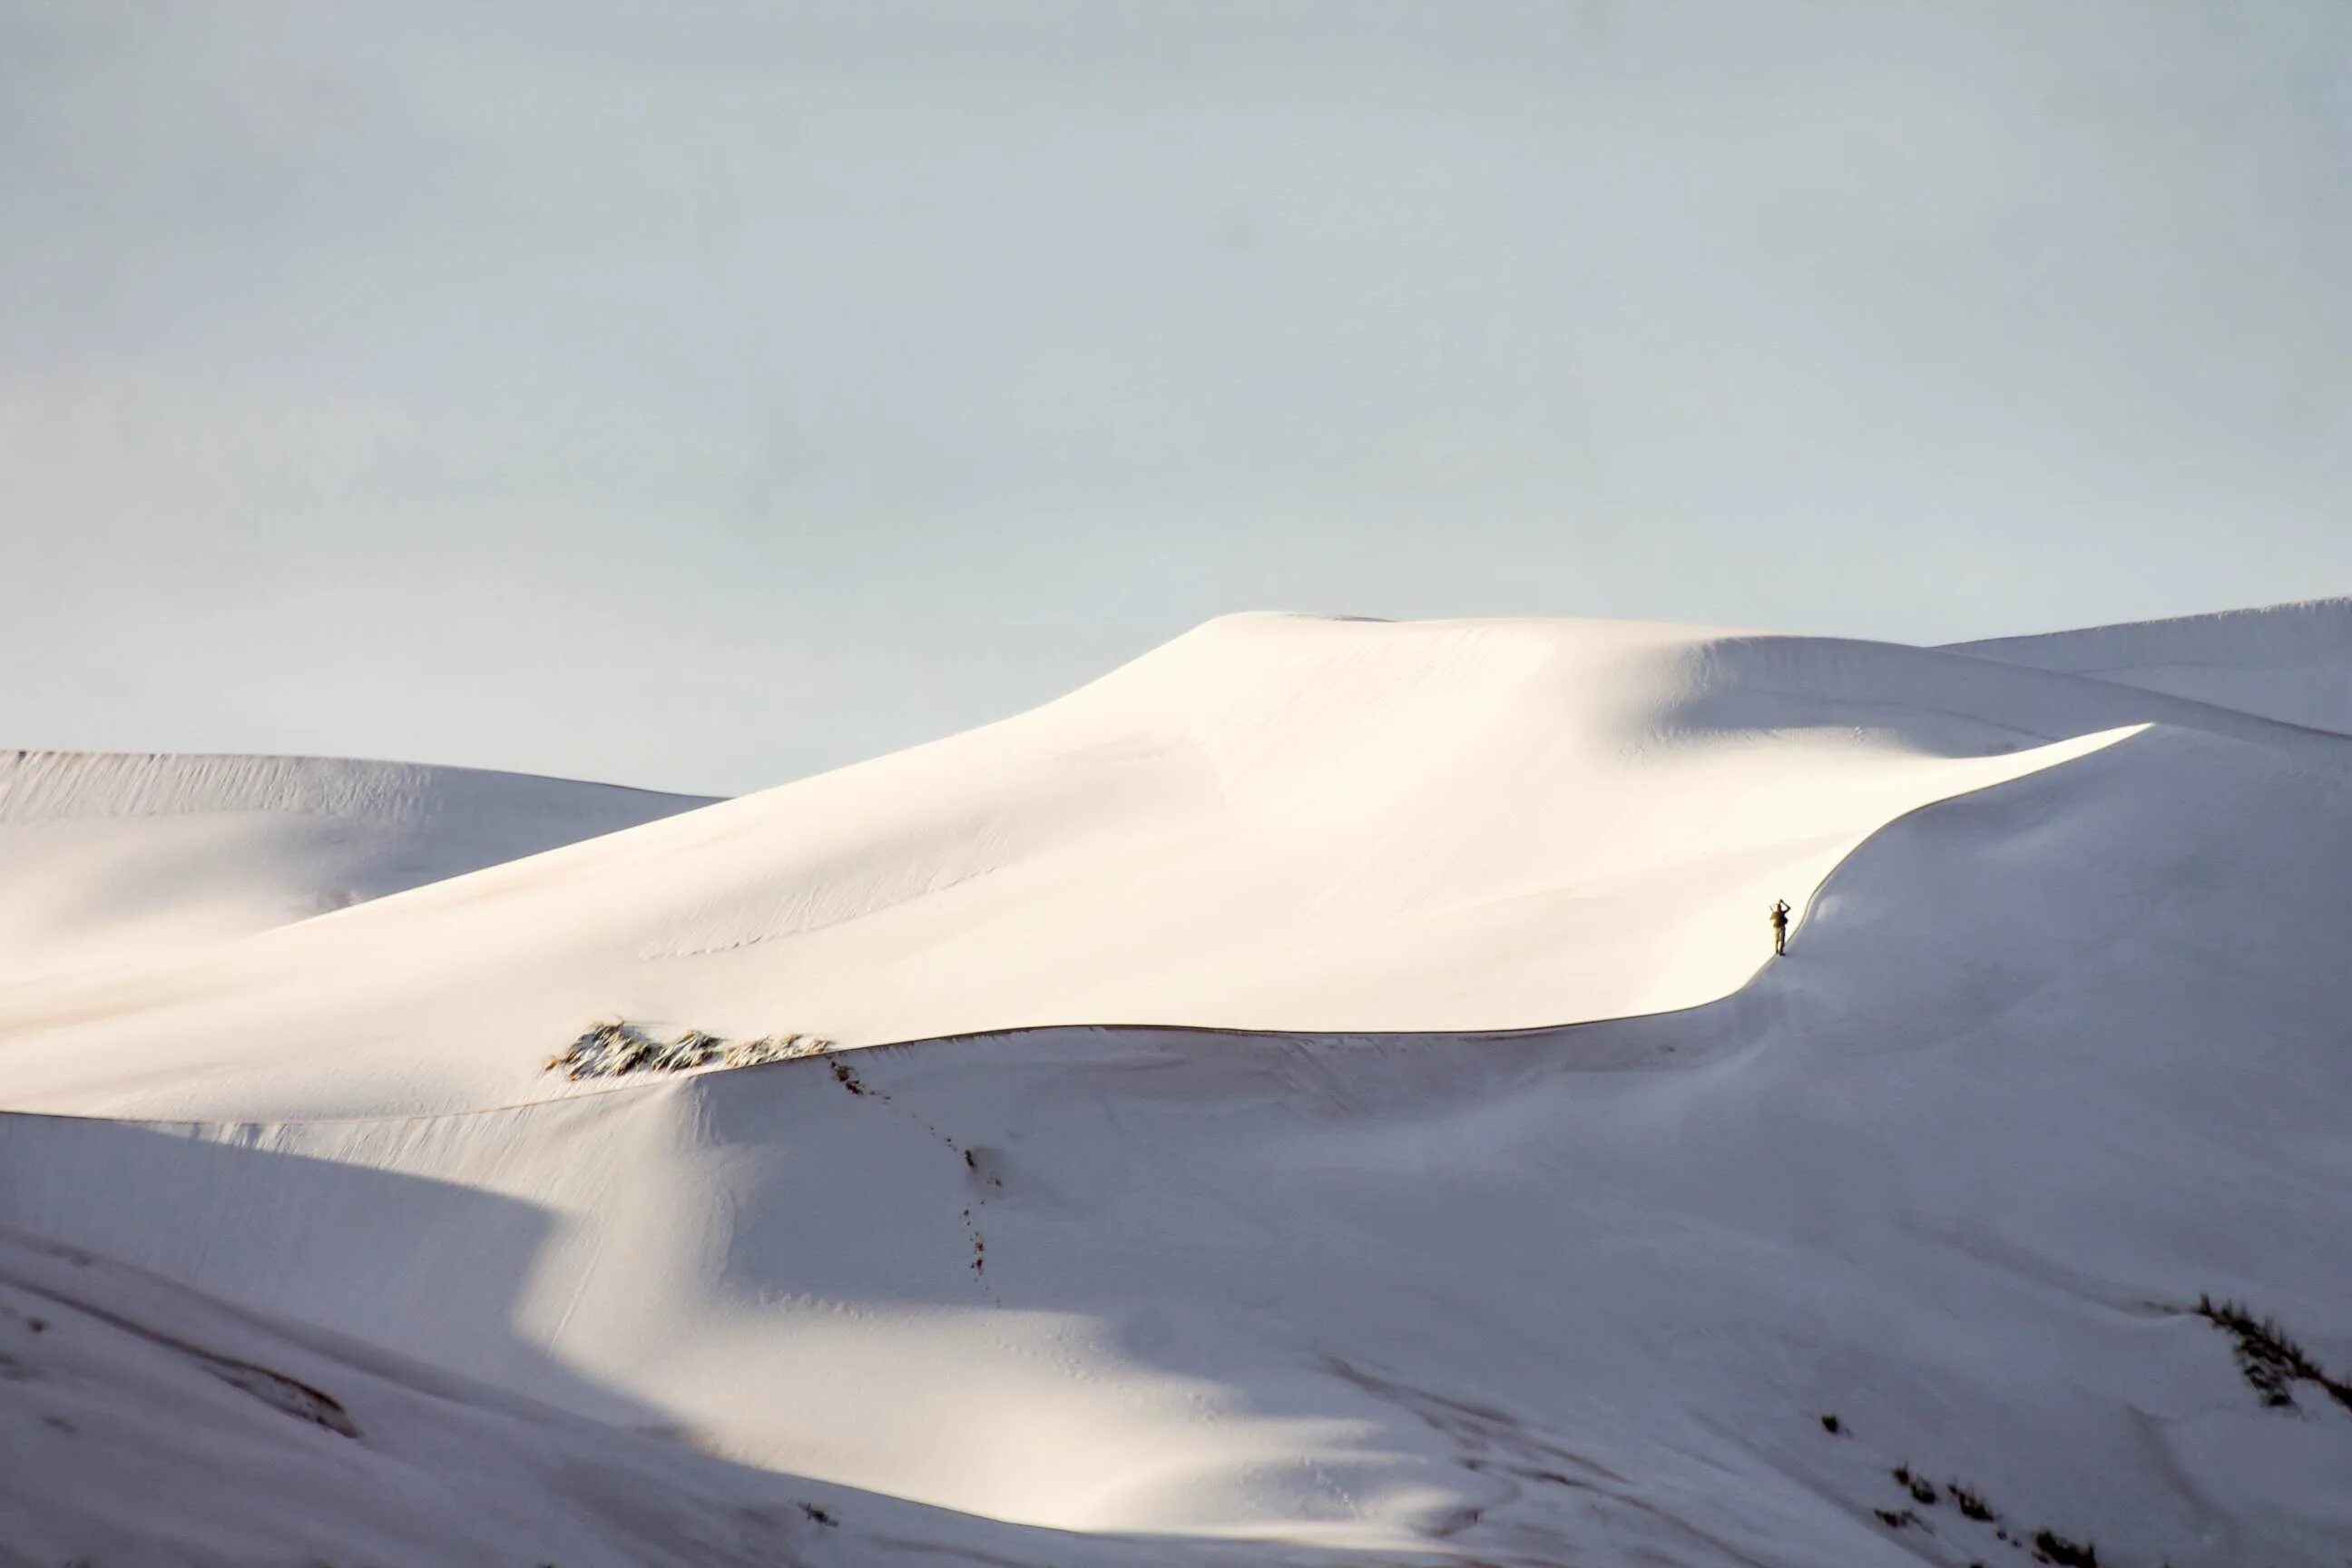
1636	1246
107	857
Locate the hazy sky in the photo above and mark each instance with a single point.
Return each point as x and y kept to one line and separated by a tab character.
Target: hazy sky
699	394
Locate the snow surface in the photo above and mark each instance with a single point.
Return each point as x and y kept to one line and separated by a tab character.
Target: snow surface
147	1424
1361	1125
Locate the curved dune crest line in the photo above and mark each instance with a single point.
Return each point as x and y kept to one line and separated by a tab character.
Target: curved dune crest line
1271	823
2054	755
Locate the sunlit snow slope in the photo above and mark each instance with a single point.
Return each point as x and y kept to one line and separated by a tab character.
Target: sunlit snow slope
1273	822
1543	1223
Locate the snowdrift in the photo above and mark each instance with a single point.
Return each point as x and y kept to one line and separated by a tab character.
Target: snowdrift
1634	1248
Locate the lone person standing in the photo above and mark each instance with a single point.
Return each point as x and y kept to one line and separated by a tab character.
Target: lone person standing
1779	927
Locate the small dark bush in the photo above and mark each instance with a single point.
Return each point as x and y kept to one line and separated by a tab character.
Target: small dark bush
2267	1357
2051	1547
1970	1503
1894	1520
615	1048
1831	1424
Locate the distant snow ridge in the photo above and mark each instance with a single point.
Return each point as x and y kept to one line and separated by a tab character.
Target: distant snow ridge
2289	662
111	856
42	786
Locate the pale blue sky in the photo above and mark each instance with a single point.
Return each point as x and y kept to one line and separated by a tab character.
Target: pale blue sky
699	394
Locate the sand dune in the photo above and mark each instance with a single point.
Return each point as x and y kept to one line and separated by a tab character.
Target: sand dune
1275	822
1360	1122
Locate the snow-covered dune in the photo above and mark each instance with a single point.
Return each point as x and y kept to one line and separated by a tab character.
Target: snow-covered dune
1424	1160
1954	1172
106	857
1273	822
2292	662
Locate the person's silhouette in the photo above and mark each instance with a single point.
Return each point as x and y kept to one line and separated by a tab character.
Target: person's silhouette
1779	927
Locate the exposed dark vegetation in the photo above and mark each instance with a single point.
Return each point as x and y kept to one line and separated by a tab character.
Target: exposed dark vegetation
1970	1503
2270	1360
2268	1357
2051	1547
614	1047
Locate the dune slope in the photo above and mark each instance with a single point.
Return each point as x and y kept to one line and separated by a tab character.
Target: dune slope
2056	1051
1273	823
147	1423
